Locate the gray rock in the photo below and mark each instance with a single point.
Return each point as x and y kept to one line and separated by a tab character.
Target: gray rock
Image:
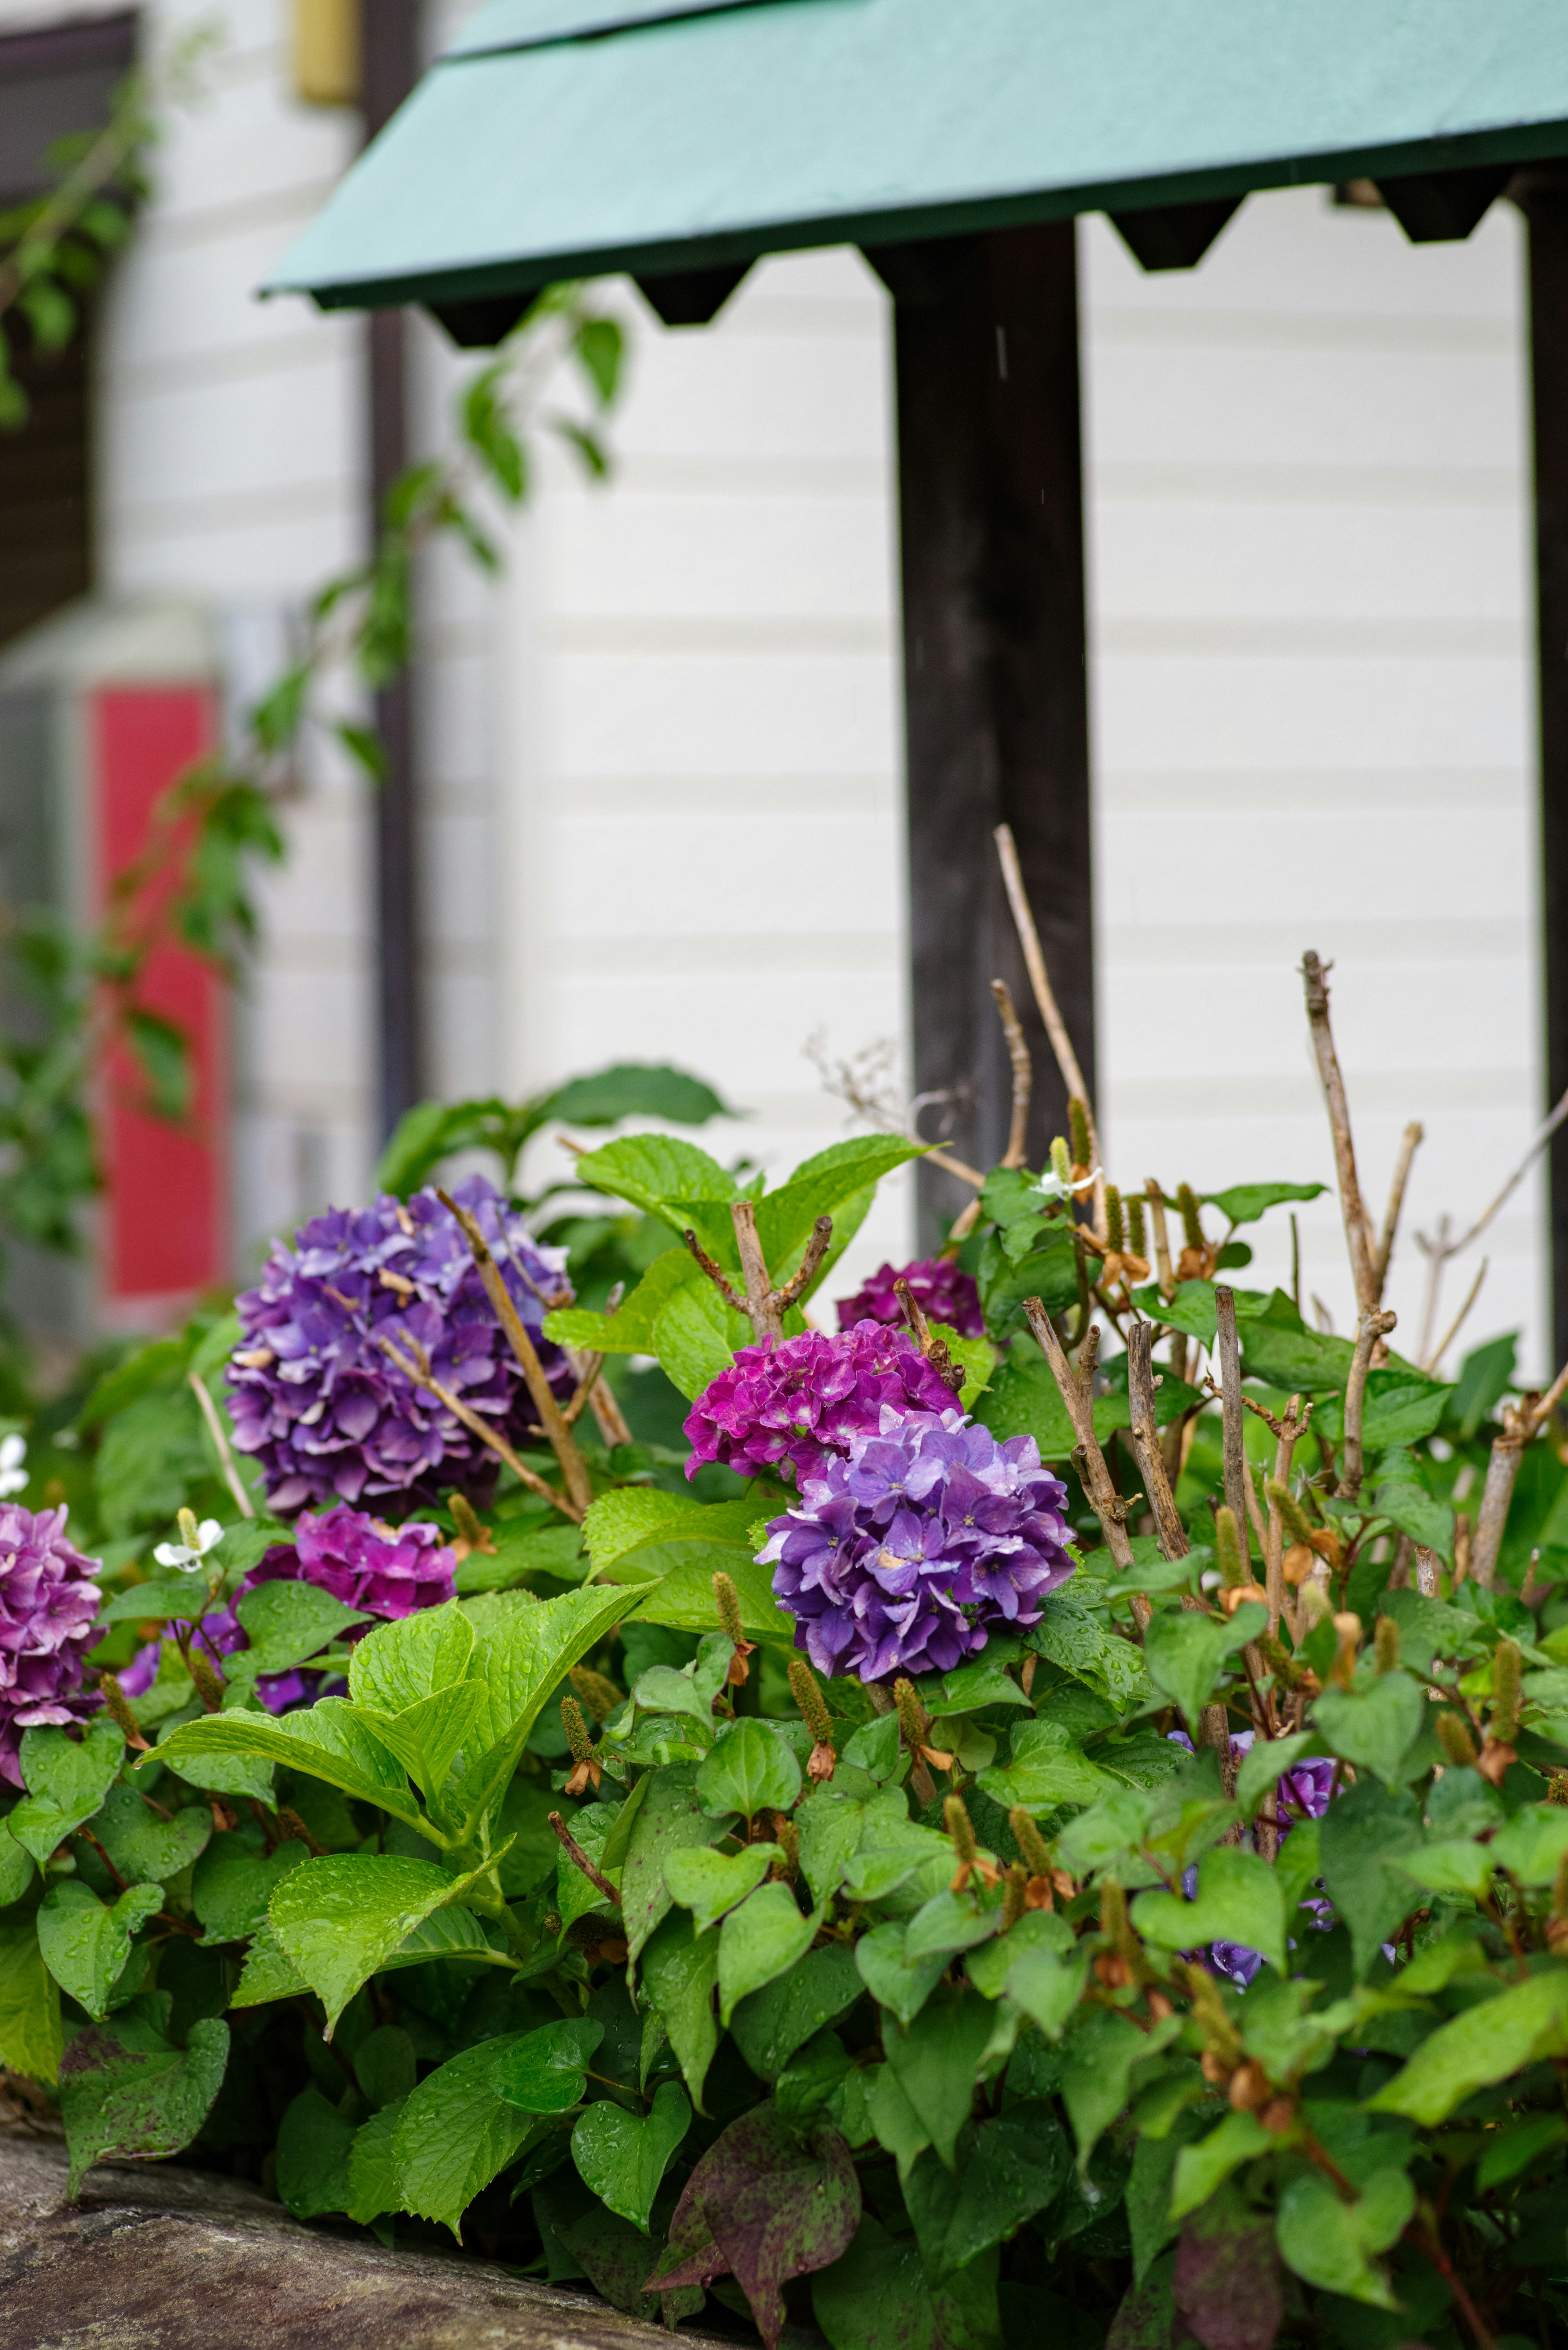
156	2258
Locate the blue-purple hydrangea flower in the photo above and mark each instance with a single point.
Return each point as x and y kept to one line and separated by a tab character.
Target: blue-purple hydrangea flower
47	1603
943	1292
806	1400
317	1398
1301	1792
929	1536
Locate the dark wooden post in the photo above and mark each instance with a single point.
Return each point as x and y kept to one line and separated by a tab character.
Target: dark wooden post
389	50
990	518
1546	204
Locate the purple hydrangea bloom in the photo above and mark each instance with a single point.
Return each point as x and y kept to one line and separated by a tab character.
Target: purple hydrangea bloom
905	1557
1302	1790
388	1571
47	1603
314	1396
943	1292
807	1399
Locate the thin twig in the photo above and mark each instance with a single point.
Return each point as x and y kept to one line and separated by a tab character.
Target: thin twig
816	1248
1411	1143
1168	1525
209	1411
1457	1324
1371	1326
1161	1238
579	1859
574	1469
1076	1389
715	1274
416	1367
1539	1140
1023	1072
1050	1012
1233	1444
1520	1423
588	1370
1357	1226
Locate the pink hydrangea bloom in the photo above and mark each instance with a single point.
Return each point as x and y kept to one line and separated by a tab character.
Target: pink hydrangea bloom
805	1400
47	1603
943	1292
388	1571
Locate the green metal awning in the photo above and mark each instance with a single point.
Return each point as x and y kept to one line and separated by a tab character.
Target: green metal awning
570	138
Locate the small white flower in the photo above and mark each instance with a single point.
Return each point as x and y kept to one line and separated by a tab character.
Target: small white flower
188	1554
1050	1185
12	1454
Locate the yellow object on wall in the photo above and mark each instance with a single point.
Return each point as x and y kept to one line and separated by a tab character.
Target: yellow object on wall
326	51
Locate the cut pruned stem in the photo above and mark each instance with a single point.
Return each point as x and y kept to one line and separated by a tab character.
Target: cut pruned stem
1411	1143
1357	1228
763	1306
715	1272
588	1368
1076	1389
1046	1000
1161	1238
552	1419
1520	1423
416	1366
1168	1525
1023	1072
1371	1326
216	1430
1233	1445
604	1405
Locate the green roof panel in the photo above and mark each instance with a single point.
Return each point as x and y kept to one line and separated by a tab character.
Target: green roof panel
686	141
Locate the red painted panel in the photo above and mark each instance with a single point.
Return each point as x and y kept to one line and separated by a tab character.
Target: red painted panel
164	1223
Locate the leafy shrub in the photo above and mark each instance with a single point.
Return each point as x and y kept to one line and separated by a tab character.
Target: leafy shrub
1182	1953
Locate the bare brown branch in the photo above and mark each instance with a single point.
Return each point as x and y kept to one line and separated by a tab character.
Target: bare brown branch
216	1430
416	1366
579	1859
715	1272
810	1265
1168	1525
1371	1326
1076	1390
1357	1227
1410	1144
574	1470
1044	997
1233	1442
1023	1072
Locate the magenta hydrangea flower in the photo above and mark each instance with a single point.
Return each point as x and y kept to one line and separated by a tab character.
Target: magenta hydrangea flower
907	1556
943	1292
388	1571
47	1603
806	1399
315	1398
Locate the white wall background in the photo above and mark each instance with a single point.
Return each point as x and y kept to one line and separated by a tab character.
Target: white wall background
661	763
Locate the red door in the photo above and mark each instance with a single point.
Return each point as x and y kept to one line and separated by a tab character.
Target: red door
164	1225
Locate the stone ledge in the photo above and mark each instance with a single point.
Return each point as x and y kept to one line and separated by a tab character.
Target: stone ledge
156	2258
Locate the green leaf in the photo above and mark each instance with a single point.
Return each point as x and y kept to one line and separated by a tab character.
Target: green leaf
936	2061
684	1598
650	1171
761	1939
85	1943
1519	2148
709	1883
546	2072
768	2204
1073	1638
820	1185
1098	2062
1361	1833
629	1330
142	1844
901	1984
1185	1653
750	1770
690	1689
1243	1204
1264	1764
1202	2168
327	1741
770	2025
315	2156
1453	1864
1484	2044
340	1917
679	1976
1008	2170
669	1817
286	1623
30	2033
1531	1847
65	1783
427	1736
876	2297
372	2166
453	2133
126	2090
1048	1768
526	1652
1238	1901
1331	2244
696	1336
268	1973
637	1089
621	2159
949	1922
399	1663
16	1871
1485	1376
